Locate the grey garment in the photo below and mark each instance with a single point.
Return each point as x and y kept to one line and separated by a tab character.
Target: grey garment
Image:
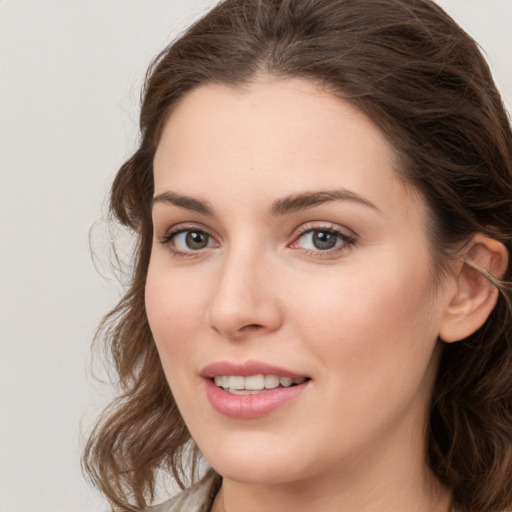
198	498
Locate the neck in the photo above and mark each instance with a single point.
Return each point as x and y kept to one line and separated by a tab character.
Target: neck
237	497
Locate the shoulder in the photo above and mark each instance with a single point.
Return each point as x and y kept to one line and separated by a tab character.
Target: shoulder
197	498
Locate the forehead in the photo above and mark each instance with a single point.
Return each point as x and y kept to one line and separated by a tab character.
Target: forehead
282	136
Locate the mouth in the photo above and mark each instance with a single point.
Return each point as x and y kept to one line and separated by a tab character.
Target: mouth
252	389
255	384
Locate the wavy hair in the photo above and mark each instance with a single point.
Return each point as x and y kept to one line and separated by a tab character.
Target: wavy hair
423	81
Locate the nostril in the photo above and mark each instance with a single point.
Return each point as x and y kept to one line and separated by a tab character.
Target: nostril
251	327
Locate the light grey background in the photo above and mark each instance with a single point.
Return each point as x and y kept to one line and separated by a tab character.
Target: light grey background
70	75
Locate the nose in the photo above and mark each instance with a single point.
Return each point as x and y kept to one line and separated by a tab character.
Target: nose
245	302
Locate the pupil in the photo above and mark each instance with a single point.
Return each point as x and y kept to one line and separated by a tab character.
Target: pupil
196	240
324	240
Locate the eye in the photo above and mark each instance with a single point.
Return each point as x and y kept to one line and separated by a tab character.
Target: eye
193	240
320	240
187	241
326	240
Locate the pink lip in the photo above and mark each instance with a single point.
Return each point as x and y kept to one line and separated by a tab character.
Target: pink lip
245	369
249	406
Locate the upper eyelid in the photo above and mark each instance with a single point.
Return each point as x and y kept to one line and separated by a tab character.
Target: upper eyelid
187	226
346	238
297	232
323	225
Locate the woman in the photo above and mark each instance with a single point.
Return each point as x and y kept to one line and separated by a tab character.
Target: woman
319	305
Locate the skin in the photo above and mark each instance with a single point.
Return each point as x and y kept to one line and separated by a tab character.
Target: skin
362	320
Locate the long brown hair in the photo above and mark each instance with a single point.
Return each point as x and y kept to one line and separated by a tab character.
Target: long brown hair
412	70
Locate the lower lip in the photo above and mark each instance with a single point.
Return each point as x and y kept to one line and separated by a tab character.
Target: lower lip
251	406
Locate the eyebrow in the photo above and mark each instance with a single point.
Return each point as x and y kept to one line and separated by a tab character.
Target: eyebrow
283	206
186	202
305	200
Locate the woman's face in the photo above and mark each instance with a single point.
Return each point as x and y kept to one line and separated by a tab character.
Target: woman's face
287	250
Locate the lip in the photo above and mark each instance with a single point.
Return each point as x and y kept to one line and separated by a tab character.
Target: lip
246	369
249	406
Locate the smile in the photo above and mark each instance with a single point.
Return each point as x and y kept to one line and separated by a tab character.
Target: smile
251	389
253	384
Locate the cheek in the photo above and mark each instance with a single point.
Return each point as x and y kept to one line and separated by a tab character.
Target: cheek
175	319
370	323
174	312
373	341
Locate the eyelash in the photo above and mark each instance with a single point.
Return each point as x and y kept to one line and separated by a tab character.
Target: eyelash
173	233
347	241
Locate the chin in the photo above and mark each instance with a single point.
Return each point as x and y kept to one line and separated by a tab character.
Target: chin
255	472
260	461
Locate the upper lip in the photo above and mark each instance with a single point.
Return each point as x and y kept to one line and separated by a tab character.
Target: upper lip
246	369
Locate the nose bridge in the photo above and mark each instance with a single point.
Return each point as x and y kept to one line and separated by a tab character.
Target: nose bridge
244	299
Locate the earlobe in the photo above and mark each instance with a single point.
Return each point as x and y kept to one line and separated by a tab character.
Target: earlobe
475	297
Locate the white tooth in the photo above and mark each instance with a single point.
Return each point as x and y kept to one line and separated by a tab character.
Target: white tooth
255	382
221	381
285	381
243	391
237	391
235	382
271	381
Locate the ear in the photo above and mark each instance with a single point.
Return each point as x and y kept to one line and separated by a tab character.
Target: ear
475	296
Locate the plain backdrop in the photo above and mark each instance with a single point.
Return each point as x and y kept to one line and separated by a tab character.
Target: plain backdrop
70	77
